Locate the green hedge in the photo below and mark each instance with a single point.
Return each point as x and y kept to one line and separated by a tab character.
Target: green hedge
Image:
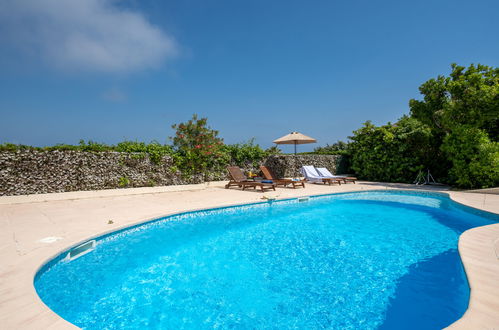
389	153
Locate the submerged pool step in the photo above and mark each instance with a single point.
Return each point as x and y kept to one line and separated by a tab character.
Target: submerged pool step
80	250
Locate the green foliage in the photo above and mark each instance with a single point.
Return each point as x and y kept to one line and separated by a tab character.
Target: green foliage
344	166
138	155
242	154
124	182
13	147
337	148
199	147
390	153
475	159
155	150
274	150
463	112
469	96
89	146
139	150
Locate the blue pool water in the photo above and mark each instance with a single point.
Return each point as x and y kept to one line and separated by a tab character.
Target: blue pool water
366	260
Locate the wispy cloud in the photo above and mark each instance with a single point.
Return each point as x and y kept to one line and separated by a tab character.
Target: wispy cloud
93	35
114	95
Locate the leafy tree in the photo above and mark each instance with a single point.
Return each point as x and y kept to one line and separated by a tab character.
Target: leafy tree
463	112
392	152
200	149
467	97
475	159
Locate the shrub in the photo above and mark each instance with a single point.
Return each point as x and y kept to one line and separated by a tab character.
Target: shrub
13	147
274	150
199	148
390	153
337	148
124	182
89	146
155	150
243	154
474	158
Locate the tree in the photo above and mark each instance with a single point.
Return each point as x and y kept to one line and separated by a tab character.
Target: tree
462	111
467	97
199	147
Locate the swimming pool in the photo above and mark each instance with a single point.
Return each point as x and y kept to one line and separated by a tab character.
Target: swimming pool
356	260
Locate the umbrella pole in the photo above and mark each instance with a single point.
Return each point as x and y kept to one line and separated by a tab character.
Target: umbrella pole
294	169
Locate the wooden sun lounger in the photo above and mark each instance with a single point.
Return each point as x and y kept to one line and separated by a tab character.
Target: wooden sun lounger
239	179
314	177
328	175
348	179
330	181
284	182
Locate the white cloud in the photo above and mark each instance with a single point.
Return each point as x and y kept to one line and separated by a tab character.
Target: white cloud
94	35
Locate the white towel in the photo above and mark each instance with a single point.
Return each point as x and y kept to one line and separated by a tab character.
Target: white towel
324	172
311	174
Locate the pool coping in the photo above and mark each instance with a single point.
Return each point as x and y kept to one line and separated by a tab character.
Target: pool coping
479	266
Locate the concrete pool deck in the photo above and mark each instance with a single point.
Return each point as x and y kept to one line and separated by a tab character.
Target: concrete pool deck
69	218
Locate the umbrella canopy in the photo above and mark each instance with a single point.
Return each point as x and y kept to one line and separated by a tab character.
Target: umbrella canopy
295	138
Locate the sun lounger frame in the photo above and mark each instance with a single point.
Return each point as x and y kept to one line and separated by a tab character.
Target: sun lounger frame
284	182
239	179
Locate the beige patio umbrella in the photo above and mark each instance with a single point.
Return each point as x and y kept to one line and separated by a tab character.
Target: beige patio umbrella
295	138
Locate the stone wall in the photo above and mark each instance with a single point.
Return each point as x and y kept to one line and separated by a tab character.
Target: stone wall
34	172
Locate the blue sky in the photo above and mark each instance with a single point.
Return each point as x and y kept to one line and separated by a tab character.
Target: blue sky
109	70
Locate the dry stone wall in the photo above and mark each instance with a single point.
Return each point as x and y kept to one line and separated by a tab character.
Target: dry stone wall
34	172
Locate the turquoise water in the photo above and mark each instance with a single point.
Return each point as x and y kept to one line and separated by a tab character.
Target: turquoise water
359	260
